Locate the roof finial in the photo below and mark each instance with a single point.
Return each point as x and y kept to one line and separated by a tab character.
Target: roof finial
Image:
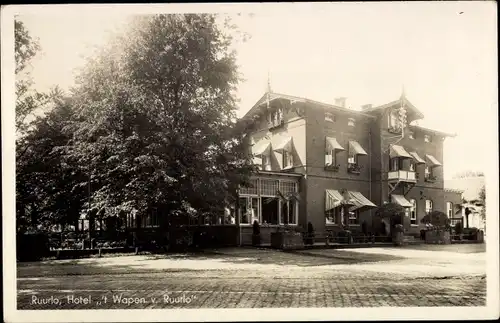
268	82
403	94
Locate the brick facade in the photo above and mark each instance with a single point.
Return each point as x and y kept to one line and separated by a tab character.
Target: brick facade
304	121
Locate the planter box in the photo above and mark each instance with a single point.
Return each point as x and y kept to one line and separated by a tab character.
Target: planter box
437	237
255	239
398	238
287	240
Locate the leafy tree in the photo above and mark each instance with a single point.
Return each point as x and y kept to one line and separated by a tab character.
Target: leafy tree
482	199
392	211
28	100
45	195
437	219
158	124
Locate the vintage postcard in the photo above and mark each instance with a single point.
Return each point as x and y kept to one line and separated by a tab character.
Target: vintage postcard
250	162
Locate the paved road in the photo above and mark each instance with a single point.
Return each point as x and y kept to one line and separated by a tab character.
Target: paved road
248	278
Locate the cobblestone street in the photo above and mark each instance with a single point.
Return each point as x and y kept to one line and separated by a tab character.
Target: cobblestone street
249	278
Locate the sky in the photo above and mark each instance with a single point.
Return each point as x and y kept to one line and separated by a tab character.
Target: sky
444	54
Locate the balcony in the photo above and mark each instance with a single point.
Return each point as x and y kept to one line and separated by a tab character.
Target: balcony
275	124
402	176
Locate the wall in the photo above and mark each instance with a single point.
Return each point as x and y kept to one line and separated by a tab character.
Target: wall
319	179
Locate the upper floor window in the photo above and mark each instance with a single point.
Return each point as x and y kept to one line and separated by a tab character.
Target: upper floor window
394	119
266	162
287	159
428	206
394	165
413	211
449	209
330	158
429	175
428	138
352	159
330	117
275	117
351	122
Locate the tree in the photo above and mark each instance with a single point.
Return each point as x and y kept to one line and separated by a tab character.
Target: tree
392	211
158	124
45	195
27	99
482	199
437	219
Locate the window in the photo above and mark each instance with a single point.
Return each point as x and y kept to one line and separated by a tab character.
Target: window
428	172
352	159
449	209
288	212
287	187
353	217
150	220
270	207
330	117
333	216
394	119
275	117
268	187
394	164
412	165
252	189
266	162
287	159
428	138
411	135
428	206
413	211
351	122
244	211
330	158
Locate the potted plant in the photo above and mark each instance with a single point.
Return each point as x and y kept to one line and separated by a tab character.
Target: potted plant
354	168
256	233
333	168
440	223
397	234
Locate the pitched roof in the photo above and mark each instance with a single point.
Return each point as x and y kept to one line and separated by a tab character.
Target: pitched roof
397	102
437	132
278	96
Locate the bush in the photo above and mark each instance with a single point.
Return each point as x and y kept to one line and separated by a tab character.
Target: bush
32	247
437	219
459	228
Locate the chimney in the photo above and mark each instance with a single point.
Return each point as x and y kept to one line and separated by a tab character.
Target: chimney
340	102
366	106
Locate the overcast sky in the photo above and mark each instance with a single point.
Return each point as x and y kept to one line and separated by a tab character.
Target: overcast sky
443	53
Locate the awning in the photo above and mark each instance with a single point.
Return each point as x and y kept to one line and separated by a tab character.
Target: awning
261	148
355	148
417	158
284	145
360	202
433	160
334	199
333	144
398	151
401	200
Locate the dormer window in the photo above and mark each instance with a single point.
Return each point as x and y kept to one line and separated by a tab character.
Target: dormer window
411	135
428	138
394	119
330	117
351	122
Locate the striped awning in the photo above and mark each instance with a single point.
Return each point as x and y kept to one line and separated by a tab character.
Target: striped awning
333	144
356	149
263	147
335	199
360	202
433	160
418	159
285	144
401	200
399	151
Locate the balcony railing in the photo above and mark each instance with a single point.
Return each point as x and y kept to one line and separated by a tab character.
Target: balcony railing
276	124
402	175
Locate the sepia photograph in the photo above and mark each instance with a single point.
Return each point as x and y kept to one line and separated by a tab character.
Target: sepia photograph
272	161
